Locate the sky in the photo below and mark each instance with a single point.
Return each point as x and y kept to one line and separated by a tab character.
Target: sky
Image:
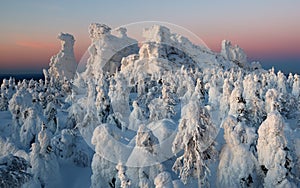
268	31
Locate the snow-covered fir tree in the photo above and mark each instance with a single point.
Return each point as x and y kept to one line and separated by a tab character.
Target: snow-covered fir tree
196	138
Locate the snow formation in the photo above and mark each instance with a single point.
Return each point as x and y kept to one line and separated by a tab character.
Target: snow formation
162	112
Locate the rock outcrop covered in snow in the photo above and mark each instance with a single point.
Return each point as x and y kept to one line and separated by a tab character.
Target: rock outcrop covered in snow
107	50
234	53
63	65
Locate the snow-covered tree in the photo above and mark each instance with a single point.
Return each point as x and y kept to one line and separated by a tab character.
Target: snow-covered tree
125	182
44	162
196	138
273	153
237	102
3	102
29	130
163	180
119	96
281	83
70	146
136	117
169	101
102	104
13	171
50	114
238	165
199	93
296	86
224	104
271	101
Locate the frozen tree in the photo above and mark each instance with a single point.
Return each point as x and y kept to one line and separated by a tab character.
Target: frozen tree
271	101
238	165
8	87
271	79
144	180
224	104
251	87
169	102
64	145
125	182
13	171
199	93
281	83
256	112
213	92
108	150
163	180
3	102
44	138
237	102
195	137
296	86
119	96
44	162
28	130
69	146
104	172
255	109
144	158
102	104
136	117
50	114
156	109
145	139
289	82
273	153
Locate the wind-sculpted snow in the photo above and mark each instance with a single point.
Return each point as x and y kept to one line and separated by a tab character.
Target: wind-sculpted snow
154	112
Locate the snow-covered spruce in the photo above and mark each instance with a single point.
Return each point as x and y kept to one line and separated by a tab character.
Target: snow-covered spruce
274	156
238	165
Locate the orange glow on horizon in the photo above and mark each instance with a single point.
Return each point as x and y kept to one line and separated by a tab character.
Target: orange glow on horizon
36	45
26	52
